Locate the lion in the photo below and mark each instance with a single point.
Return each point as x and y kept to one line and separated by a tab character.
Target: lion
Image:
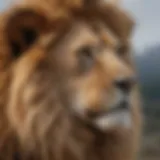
68	88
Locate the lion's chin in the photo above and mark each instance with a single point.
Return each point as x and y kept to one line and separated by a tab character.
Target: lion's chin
113	120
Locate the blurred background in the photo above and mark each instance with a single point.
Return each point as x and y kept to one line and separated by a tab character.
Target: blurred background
146	42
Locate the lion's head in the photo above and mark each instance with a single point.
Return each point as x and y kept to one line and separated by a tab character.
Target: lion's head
70	75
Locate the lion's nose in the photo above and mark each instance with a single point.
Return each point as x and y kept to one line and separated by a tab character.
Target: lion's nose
125	84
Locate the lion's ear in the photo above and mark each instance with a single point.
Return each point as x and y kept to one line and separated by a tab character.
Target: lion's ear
22	29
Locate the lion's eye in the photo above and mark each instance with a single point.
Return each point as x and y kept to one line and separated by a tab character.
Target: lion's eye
86	57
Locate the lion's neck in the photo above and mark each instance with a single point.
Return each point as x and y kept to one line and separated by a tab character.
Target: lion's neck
68	140
80	144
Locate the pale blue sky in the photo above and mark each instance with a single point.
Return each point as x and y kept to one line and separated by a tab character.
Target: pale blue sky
147	15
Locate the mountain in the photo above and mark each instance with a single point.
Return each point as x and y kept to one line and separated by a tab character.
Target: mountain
148	67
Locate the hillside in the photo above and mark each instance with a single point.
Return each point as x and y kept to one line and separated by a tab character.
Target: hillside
148	67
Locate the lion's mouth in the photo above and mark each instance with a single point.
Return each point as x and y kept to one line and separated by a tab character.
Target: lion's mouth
104	121
117	117
124	106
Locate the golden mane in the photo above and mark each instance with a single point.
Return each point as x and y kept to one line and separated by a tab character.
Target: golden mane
65	10
55	16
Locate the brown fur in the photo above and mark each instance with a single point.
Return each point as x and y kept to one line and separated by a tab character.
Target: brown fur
36	88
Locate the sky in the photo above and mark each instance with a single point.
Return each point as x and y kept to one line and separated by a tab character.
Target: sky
147	16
